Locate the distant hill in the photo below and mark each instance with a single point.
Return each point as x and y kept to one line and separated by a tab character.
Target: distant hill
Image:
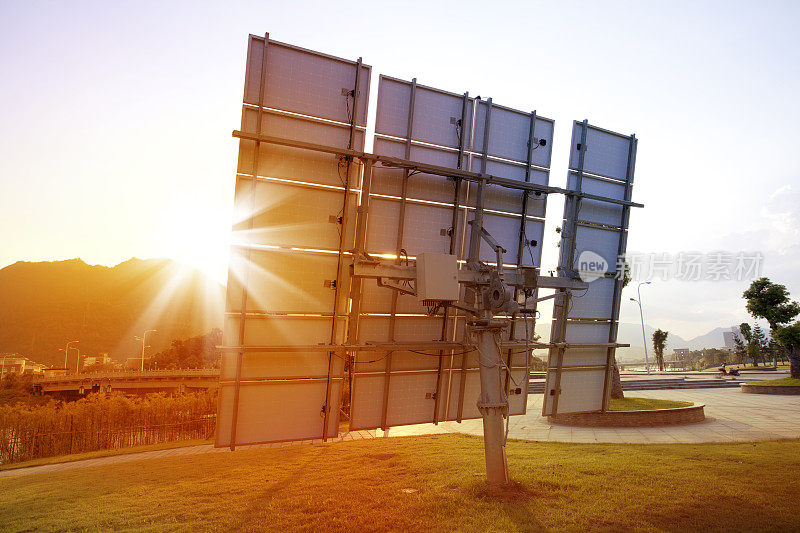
43	305
632	334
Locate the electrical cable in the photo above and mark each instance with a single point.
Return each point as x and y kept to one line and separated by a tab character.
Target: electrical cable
441	355
528	246
374	360
502	362
349	112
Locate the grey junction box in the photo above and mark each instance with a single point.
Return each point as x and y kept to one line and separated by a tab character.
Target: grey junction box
437	277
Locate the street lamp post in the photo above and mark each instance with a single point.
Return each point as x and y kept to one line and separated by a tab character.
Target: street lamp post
641	315
143	339
66	353
78	361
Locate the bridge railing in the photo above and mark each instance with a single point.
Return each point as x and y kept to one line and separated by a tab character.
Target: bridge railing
127	374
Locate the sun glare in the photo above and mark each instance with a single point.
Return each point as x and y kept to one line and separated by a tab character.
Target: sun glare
203	244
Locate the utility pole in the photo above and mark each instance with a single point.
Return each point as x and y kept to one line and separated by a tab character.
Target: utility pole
143	339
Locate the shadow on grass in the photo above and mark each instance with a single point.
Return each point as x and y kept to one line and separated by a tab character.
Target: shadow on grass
517	502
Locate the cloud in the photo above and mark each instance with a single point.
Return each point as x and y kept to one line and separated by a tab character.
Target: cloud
782	213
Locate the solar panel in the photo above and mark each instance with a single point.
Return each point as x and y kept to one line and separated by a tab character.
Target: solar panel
412	213
594	237
297	211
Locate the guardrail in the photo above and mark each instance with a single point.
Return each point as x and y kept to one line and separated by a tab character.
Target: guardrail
198	372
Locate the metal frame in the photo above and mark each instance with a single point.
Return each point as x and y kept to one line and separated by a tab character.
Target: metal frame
243	315
613	327
523	242
342	239
396	162
453	251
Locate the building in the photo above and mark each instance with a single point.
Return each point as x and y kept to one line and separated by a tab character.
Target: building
101	359
14	363
729	335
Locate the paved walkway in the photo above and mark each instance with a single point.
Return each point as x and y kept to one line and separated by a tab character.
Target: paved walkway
731	417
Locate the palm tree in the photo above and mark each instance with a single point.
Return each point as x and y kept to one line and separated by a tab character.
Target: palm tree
659	343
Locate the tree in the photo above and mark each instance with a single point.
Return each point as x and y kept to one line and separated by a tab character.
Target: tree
616	381
747	333
771	302
714	357
740	350
789	338
759	342
753	349
659	343
774	350
196	352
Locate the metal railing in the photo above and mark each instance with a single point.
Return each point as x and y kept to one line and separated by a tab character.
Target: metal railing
127	374
18	445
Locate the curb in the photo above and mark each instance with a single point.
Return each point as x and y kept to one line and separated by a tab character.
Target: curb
649	418
754	388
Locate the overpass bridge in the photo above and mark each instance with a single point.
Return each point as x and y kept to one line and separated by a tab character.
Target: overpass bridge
170	381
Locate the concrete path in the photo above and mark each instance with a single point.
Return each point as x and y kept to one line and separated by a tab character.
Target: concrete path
731	417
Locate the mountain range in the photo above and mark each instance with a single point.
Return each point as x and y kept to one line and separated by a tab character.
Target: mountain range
631	333
44	305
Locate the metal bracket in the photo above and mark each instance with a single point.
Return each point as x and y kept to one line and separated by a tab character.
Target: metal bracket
498	248
403	290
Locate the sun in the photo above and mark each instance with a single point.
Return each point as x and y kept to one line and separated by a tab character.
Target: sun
199	242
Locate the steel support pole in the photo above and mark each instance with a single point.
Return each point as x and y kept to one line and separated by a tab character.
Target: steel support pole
474	235
337	287
492	403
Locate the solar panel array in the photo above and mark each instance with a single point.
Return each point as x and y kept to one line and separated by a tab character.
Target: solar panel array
305	215
601	163
411	213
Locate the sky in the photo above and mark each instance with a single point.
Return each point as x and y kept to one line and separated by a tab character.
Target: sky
117	116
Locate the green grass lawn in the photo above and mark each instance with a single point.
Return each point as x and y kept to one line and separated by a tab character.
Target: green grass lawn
781	381
424	483
643	404
104	453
